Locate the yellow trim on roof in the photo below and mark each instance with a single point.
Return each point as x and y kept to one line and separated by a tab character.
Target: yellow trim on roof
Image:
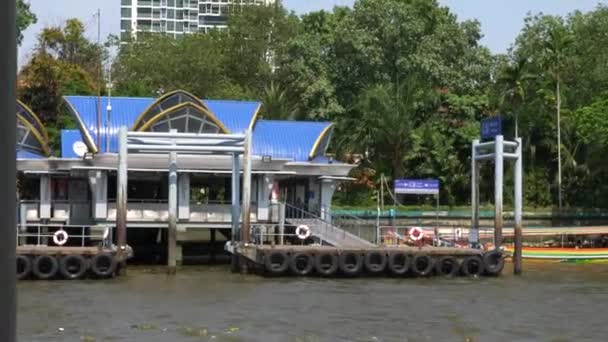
83	129
325	131
163	98
207	112
43	144
28	109
254	119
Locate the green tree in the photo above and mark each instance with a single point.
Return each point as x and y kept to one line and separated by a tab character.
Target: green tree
25	18
512	78
64	62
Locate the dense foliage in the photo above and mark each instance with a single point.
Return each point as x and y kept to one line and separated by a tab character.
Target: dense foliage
404	80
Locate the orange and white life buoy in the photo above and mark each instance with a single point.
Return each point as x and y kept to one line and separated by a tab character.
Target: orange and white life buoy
303	232
60	237
416	234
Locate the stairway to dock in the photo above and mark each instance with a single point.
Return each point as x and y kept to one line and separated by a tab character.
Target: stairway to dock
331	234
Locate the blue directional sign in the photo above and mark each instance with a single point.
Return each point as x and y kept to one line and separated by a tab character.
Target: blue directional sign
417	186
491	127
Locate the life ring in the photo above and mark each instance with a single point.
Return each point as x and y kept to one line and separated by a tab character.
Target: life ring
60	237
416	234
303	232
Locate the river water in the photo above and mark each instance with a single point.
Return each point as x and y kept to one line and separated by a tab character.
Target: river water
551	302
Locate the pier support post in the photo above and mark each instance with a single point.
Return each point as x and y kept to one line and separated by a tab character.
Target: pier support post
8	213
172	234
121	193
498	186
474	231
235	196
518	170
245	229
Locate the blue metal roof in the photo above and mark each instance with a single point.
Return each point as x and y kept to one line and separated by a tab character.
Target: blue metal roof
286	139
293	140
236	115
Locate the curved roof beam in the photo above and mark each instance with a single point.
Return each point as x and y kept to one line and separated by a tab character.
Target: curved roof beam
28	114
88	140
44	145
166	102
202	112
255	117
322	142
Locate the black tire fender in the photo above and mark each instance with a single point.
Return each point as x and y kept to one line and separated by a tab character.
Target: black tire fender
103	265
472	266
326	264
45	267
351	263
375	262
422	265
493	262
399	263
301	264
447	266
24	267
276	262
73	266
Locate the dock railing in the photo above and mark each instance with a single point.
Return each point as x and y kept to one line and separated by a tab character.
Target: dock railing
446	235
43	234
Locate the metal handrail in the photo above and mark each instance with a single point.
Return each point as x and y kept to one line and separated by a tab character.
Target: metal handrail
22	232
326	226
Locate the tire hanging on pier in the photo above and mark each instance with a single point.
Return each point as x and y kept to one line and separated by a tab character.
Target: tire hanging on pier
24	267
302	264
326	264
375	262
493	262
45	267
351	263
73	266
472	266
276	262
447	266
422	265
103	265
399	263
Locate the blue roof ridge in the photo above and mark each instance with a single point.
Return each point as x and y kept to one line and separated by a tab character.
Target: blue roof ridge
153	98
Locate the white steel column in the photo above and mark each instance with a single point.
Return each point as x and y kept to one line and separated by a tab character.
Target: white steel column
498	190
172	235
328	187
45	196
98	180
474	231
245	233
235	197
518	179
183	194
121	192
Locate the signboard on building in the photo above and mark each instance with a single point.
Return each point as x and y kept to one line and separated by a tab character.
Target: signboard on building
491	127
417	186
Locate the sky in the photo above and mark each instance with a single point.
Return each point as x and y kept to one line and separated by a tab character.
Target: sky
501	20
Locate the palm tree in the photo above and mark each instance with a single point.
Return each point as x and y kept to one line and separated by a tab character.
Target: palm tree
276	103
513	77
389	115
555	48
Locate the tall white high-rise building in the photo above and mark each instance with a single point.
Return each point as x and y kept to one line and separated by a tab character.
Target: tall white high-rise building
177	17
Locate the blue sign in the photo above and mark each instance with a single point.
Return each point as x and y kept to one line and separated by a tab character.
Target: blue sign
491	127
417	186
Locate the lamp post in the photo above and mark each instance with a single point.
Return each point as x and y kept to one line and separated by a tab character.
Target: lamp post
110	85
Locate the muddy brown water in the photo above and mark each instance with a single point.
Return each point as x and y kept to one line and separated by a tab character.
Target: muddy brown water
551	302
